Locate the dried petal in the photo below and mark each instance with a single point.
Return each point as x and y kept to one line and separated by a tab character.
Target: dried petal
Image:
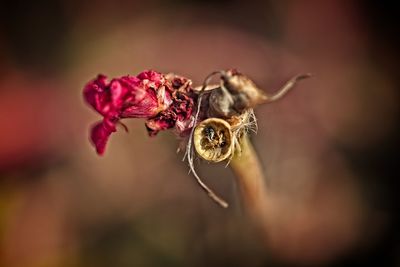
96	94
179	83
177	115
100	133
164	121
146	97
151	78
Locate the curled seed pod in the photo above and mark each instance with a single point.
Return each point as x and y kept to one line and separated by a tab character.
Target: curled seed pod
213	140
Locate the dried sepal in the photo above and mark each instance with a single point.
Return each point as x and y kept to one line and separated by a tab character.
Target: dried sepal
241	125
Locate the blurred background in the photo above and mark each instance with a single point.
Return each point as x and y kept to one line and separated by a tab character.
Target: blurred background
328	149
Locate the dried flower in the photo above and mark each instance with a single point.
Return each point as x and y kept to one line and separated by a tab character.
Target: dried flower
141	96
223	116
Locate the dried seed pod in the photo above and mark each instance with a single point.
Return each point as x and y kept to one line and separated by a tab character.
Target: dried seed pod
220	104
212	139
245	91
236	94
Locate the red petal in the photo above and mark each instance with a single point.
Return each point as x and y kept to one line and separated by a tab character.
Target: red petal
153	76
95	93
100	133
118	93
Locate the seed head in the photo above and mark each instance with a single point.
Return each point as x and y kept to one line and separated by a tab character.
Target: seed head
212	139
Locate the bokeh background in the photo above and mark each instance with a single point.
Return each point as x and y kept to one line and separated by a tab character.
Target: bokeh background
328	149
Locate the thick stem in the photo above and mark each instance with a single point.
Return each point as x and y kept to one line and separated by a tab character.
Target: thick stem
250	179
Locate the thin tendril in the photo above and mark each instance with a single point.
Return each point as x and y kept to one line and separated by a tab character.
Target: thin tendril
288	85
189	150
203	87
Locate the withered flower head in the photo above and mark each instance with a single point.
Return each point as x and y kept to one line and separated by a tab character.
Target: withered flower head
215	129
141	96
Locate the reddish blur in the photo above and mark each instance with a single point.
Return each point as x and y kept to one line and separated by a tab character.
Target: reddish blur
326	148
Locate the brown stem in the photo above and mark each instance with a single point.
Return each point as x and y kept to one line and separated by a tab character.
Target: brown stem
250	178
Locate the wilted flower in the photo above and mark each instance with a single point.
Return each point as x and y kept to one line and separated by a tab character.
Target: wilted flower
162	99
141	96
218	129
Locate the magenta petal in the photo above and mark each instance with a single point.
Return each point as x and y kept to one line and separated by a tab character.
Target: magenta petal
146	106
147	96
100	133
153	76
95	93
118	93
165	103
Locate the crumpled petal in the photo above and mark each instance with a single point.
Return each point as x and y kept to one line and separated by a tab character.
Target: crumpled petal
151	78
100	134
164	100
118	94
178	115
95	93
141	96
163	121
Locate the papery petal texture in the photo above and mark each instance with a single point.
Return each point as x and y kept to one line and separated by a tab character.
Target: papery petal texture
141	96
100	133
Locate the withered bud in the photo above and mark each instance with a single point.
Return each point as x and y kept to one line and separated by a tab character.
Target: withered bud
212	139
